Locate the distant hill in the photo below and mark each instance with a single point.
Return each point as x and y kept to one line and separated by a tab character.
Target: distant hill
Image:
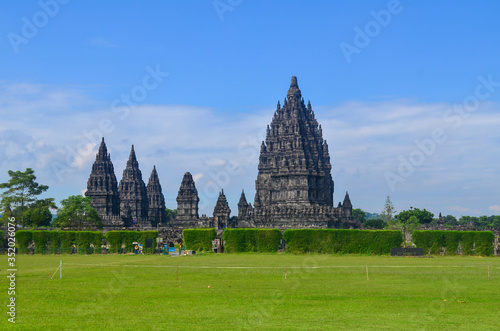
372	216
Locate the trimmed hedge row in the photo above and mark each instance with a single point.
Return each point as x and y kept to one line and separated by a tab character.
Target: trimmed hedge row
342	241
59	241
252	240
199	239
117	239
64	241
471	242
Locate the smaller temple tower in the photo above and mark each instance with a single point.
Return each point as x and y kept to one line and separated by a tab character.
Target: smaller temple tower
102	188
156	200
187	203
440	220
133	194
347	206
222	212
245	212
242	206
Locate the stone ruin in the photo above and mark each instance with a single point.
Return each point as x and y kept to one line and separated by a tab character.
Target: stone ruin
129	203
294	186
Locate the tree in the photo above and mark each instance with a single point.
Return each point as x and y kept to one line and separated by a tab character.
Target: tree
359	215
481	222
77	212
22	190
375	223
423	216
7	212
171	215
372	216
450	220
39	213
408	226
387	214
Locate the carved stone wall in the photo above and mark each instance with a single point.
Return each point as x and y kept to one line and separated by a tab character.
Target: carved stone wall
102	188
133	194
294	186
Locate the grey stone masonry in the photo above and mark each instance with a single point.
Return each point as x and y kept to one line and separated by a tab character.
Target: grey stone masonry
102	188
187	203
294	186
133	195
156	200
222	212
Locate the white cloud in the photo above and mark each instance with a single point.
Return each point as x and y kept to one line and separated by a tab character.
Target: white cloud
494	208
197	177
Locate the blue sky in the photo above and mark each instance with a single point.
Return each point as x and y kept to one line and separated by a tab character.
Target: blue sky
407	93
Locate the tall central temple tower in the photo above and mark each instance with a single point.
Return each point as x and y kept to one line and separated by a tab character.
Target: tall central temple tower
294	187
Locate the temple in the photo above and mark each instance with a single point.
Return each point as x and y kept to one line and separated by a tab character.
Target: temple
130	203
187	204
133	194
156	200
102	188
222	213
294	186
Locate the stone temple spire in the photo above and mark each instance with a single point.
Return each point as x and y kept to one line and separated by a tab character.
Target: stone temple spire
133	193
294	186
156	200
102	187
242	206
294	91
222	212
294	164
347	201
347	206
187	200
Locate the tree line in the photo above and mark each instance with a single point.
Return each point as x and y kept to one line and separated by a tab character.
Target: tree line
409	220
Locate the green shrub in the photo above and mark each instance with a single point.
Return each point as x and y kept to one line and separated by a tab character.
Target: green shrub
199	239
117	238
85	238
148	235
23	239
341	241
41	239
55	242
68	239
128	238
251	240
472	242
268	240
484	243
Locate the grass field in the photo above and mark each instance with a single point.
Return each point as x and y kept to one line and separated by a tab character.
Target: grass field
250	292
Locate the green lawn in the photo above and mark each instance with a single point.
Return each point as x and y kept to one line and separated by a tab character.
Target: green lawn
250	292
